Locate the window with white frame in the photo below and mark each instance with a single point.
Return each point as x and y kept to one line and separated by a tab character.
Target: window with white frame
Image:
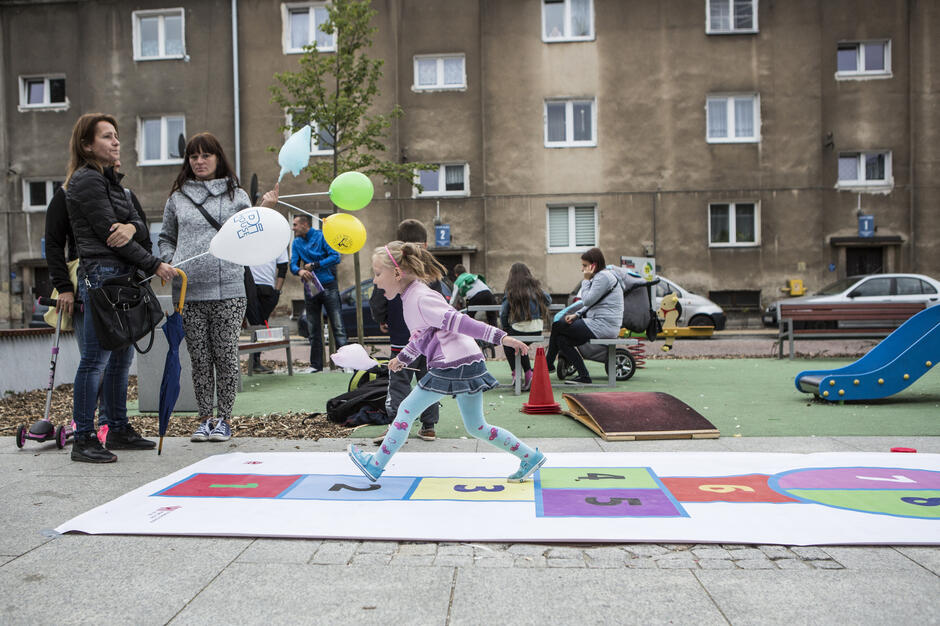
38	193
321	139
572	228
436	72
302	23
159	34
733	118
159	140
724	17
733	224
449	179
567	20
43	92
864	169
570	123
863	59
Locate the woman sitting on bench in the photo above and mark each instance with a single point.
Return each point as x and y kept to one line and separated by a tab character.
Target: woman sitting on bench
599	317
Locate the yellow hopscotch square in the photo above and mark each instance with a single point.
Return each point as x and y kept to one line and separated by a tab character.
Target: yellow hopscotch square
478	489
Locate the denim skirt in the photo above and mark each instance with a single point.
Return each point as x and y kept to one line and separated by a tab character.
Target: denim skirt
469	378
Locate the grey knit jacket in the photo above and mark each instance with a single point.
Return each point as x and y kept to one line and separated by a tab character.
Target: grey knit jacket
602	296
186	233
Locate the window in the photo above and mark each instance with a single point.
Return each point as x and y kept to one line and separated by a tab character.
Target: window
572	228
733	119
569	123
440	72
910	286
733	224
43	92
567	20
38	193
321	139
159	35
861	169
446	180
302	27
159	140
863	59
873	287
730	16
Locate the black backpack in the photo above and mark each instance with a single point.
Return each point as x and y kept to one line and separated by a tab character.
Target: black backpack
347	408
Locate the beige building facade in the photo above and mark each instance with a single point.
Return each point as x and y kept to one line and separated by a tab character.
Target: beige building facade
736	142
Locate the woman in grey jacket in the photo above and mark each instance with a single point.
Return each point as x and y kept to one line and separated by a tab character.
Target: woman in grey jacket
207	191
599	317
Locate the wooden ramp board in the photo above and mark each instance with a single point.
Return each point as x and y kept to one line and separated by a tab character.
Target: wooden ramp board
633	415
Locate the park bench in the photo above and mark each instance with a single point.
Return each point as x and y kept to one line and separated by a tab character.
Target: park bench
263	339
850	320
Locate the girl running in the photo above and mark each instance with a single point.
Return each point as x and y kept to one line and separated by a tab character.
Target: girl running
455	363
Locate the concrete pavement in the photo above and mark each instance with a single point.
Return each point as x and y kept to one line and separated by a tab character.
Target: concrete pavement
48	579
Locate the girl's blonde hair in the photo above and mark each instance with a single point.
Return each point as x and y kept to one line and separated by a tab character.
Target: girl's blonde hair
410	258
83	134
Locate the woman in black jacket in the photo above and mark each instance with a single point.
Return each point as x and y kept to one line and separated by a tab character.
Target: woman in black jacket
96	202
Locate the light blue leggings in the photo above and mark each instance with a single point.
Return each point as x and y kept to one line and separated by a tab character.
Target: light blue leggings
471	410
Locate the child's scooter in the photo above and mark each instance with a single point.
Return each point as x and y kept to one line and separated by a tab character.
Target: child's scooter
42	430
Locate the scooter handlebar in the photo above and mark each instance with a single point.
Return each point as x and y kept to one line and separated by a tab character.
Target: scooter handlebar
52	301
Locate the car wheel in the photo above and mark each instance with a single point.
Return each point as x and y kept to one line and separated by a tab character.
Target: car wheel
624	363
702	320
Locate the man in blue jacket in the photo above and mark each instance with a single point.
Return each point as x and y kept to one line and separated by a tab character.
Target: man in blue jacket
311	255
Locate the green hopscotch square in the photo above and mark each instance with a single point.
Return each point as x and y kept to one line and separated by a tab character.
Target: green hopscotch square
923	503
597	478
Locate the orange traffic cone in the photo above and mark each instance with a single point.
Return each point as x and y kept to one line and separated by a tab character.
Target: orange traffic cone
541	397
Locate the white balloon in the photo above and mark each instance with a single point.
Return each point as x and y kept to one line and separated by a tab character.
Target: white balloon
251	237
353	355
295	153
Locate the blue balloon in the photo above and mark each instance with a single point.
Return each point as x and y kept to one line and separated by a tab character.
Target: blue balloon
295	153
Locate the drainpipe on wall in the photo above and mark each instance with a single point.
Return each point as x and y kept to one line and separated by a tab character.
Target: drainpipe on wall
910	136
238	140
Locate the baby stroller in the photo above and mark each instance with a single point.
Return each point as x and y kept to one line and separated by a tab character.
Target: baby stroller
638	316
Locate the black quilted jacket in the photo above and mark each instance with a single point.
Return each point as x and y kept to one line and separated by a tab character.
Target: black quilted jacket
95	201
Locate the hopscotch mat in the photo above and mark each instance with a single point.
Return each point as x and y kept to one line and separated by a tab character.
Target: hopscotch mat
671	497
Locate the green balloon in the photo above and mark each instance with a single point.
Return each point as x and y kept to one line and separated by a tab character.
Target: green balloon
351	191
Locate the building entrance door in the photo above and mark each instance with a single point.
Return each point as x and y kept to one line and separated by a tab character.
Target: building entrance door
864	260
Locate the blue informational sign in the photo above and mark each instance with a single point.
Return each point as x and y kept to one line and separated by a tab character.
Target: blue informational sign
442	235
866	225
42	246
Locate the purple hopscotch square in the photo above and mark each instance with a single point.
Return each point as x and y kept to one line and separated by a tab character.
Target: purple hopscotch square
858	478
608	503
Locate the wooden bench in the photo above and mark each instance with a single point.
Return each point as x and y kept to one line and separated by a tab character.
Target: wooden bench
850	320
263	345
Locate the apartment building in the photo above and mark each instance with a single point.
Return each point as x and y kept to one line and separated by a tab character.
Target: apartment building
740	143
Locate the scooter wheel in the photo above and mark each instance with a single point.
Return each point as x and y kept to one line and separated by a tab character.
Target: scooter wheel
20	435
625	364
564	369
61	436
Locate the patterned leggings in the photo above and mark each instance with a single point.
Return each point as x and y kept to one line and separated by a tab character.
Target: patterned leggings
471	410
212	328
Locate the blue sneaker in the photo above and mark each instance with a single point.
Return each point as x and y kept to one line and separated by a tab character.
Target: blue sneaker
364	462
527	467
202	433
221	432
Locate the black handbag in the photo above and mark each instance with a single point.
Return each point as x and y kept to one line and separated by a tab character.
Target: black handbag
123	311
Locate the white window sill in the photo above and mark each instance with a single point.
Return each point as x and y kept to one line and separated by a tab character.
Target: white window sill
301	50
734	245
863	75
34	209
857	187
568	250
54	107
169	57
436	88
733	140
156	163
742	31
592	144
320	153
442	194
567	39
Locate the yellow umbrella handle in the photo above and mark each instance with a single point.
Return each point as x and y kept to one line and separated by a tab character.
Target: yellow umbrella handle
179	307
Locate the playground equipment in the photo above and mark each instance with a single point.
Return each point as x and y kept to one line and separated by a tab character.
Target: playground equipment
901	358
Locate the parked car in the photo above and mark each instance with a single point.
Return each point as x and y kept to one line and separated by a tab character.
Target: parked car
871	288
347	298
39	310
696	310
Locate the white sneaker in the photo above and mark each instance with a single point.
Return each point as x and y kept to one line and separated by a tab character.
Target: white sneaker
307	370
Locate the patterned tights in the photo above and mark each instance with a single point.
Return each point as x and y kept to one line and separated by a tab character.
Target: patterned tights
212	328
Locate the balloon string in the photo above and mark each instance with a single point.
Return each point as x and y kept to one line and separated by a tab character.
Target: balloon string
304	195
152	276
301	210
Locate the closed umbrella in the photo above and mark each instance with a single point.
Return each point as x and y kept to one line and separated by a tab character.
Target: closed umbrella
170	385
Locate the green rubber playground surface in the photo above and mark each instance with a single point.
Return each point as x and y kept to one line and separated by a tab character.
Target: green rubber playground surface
741	397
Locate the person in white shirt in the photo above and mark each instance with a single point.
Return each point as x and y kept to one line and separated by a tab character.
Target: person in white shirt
269	278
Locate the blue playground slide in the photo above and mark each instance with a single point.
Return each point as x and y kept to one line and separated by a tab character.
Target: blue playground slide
901	358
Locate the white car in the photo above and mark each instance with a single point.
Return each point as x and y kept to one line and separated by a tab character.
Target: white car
871	288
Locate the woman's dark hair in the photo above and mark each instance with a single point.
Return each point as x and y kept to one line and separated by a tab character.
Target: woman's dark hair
595	256
206	143
521	288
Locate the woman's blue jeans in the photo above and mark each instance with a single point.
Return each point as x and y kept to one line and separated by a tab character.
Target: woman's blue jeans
99	367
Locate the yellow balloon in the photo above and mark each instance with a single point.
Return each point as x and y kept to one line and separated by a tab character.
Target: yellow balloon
344	233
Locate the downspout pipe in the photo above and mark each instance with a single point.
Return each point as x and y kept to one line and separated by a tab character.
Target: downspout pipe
235	89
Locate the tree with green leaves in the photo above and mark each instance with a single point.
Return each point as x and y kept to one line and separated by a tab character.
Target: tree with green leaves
333	91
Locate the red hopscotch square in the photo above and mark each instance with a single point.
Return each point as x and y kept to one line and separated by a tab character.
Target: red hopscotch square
749	488
231	486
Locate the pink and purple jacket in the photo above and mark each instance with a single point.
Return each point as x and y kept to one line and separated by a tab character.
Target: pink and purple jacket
441	333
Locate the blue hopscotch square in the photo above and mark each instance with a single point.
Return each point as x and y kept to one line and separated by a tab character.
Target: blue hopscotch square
349	487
